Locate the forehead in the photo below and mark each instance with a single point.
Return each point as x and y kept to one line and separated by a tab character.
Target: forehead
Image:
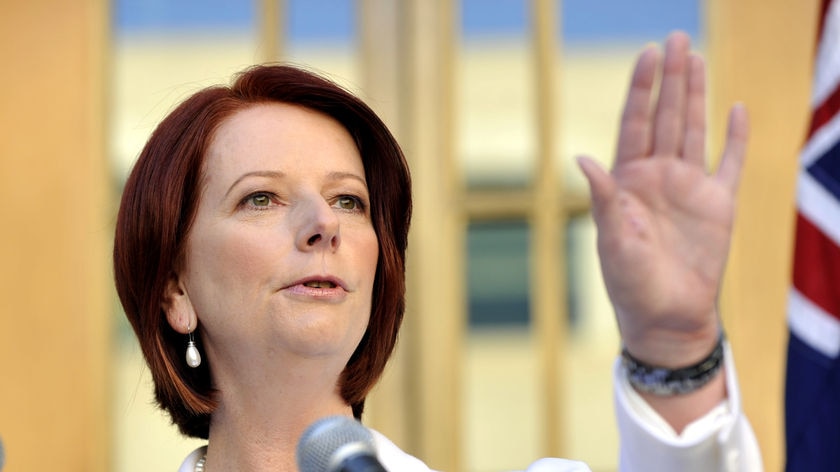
272	135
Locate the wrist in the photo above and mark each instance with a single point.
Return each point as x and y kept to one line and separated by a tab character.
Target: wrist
673	347
666	381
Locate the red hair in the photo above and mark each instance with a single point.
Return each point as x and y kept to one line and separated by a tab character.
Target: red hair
159	203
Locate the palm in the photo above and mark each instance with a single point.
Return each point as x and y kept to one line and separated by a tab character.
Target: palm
671	233
663	222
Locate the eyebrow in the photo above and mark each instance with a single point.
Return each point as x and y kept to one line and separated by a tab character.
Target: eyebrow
273	174
346	175
257	173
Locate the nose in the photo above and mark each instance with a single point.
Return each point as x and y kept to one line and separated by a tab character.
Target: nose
318	227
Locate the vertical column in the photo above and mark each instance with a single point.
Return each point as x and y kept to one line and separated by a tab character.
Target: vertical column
436	307
380	41
761	53
55	238
272	31
547	231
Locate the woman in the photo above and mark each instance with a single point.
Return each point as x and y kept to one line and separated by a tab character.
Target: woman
260	253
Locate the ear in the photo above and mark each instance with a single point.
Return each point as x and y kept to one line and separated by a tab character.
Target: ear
177	306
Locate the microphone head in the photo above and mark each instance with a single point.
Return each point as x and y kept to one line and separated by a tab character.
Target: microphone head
329	441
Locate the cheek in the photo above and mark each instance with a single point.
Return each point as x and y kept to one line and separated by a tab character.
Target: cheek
220	259
370	254
364	248
210	253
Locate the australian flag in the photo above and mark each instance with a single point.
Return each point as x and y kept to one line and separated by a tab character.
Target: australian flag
812	390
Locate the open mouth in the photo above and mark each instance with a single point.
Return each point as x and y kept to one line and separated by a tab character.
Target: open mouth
319	284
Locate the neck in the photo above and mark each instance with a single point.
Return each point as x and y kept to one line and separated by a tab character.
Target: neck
258	424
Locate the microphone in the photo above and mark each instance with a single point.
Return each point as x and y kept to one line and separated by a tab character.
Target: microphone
2	454
337	444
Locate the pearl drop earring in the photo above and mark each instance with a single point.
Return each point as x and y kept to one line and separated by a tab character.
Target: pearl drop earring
193	356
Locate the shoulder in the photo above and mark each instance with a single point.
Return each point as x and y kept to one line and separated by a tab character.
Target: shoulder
394	458
557	465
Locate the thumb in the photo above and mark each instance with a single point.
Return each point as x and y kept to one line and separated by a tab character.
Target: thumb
602	186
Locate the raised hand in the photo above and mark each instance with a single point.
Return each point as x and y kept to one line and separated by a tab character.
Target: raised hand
664	221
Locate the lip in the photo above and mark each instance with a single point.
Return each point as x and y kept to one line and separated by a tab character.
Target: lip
321	278
299	287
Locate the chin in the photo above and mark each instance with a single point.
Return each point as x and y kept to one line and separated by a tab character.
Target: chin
321	345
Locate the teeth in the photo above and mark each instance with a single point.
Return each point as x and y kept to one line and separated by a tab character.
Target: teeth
320	284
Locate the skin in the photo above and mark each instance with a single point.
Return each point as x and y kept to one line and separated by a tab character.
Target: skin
664	226
665	222
278	271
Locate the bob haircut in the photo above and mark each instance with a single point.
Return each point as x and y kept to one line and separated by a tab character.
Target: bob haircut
159	203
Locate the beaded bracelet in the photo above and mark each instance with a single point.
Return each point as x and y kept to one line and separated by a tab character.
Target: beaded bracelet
664	381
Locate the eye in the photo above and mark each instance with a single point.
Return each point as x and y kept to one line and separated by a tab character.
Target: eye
259	199
347	202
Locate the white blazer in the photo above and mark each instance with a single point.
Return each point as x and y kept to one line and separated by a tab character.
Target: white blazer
720	441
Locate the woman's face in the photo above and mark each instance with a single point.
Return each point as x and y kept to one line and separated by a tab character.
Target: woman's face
281	258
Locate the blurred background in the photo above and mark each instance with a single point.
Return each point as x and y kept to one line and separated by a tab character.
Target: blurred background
509	340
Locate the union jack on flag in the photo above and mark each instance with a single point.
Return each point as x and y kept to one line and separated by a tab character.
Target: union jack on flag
812	390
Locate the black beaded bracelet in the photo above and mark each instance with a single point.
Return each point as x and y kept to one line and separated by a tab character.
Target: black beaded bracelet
664	381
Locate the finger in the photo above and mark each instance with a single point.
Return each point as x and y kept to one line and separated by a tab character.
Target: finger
635	129
694	143
670	109
734	152
602	186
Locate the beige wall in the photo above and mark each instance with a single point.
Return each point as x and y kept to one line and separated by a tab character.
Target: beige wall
761	53
54	233
55	219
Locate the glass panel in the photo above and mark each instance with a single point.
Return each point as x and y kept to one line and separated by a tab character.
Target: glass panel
587	415
134	18
498	274
163	51
495	124
615	22
322	36
600	41
501	371
500	400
